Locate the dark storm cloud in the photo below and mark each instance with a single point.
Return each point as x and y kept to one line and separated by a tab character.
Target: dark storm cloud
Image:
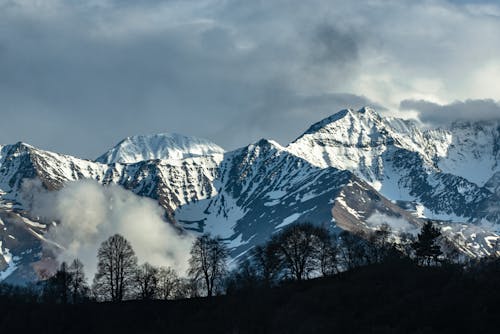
335	46
77	84
78	76
469	110
283	115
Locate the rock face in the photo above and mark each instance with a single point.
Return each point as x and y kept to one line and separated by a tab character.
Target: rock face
353	170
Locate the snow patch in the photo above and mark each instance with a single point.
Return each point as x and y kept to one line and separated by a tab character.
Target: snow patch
288	220
10	260
353	212
276	194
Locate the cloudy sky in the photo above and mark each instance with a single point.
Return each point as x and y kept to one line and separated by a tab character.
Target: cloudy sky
77	76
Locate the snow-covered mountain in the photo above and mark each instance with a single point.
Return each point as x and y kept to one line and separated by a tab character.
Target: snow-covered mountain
163	146
446	170
353	170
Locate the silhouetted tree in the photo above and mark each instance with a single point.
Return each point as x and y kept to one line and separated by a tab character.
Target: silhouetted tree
243	279
380	245
427	244
168	283
327	256
188	288
208	262
450	248
405	244
267	263
352	250
299	246
146	278
78	283
116	268
56	289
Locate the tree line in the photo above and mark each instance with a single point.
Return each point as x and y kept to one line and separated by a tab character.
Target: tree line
119	277
304	251
298	252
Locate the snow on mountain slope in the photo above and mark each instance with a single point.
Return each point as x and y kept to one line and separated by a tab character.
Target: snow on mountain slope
22	161
260	189
443	169
357	141
474	151
263	188
171	183
161	146
345	172
348	140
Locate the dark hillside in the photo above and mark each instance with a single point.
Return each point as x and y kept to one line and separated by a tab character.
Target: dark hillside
385	298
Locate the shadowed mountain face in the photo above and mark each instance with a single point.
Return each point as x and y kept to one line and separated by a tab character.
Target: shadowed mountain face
354	171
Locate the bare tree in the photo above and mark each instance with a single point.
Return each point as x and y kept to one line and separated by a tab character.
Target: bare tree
116	268
405	244
327	257
78	284
187	288
267	263
352	250
243	278
168	283
208	262
379	246
146	278
298	245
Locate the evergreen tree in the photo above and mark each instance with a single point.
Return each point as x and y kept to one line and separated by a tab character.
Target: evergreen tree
426	246
56	289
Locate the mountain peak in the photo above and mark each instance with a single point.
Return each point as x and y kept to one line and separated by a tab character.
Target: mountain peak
345	118
165	146
16	148
263	142
21	144
349	139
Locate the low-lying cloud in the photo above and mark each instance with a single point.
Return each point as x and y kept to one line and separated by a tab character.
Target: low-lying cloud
87	213
438	114
397	224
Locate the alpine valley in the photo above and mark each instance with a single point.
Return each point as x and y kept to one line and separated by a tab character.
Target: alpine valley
351	171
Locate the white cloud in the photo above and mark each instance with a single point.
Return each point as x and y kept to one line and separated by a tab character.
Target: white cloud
89	213
397	224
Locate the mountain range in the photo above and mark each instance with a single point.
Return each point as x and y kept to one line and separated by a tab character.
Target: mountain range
354	171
